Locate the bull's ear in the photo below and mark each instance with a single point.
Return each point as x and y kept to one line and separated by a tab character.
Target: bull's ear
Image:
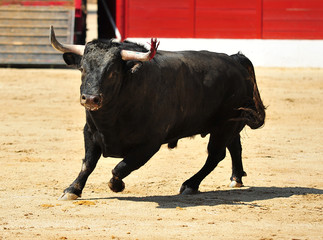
133	66
72	59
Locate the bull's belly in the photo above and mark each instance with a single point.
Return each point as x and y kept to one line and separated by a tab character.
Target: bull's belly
113	151
120	148
118	144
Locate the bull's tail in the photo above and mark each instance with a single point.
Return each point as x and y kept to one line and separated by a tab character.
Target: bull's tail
254	114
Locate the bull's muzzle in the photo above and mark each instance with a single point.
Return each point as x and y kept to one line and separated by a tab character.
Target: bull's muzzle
91	102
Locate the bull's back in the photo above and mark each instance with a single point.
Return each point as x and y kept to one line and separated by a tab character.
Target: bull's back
201	86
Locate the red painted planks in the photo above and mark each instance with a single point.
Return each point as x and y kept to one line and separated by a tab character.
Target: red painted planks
227	4
160	19
297	19
226	19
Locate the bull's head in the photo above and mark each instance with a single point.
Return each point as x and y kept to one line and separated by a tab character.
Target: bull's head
101	65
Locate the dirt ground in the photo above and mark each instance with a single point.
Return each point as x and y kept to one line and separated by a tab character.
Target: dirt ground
41	149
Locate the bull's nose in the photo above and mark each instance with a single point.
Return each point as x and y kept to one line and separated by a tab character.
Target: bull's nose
91	102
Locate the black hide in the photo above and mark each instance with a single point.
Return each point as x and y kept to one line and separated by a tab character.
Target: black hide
175	95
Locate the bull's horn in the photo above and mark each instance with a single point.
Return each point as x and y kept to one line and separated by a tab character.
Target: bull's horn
140	56
77	49
132	55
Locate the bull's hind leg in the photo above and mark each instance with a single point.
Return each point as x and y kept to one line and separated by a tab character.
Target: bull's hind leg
92	155
235	150
216	149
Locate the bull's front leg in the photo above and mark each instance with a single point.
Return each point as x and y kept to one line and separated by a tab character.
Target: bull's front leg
134	160
92	155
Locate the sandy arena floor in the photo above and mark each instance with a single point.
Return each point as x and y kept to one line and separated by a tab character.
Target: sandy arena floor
41	149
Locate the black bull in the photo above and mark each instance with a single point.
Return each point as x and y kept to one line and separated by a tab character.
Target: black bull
133	107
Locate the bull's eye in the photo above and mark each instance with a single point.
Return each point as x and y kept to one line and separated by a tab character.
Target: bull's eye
81	69
112	75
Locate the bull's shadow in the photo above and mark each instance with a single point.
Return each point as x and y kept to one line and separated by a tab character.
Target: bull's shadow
242	196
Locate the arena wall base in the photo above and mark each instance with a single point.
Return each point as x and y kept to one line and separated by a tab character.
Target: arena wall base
263	53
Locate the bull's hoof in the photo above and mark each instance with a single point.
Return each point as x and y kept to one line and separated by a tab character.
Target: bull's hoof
116	185
185	190
66	196
235	184
172	145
